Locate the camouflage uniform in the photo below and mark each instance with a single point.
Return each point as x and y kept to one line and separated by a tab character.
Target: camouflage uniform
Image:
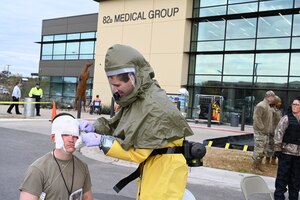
263	127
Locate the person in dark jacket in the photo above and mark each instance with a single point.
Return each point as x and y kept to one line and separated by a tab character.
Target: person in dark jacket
287	149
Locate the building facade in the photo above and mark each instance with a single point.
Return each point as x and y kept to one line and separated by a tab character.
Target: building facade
66	44
236	49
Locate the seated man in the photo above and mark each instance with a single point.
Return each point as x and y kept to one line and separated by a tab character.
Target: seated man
95	104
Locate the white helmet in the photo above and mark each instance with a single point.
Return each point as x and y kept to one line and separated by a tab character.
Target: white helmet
64	123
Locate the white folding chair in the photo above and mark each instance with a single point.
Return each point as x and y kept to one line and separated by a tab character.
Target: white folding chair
251	185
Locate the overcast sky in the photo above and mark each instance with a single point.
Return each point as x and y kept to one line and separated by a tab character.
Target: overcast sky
21	26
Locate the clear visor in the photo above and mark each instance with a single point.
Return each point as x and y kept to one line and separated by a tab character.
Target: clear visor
122	85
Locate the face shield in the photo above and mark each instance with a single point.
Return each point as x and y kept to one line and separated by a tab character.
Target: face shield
64	123
122	82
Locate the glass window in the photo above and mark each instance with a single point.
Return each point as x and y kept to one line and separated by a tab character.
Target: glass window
204	3
294	83
296	28
240	1
212	11
275	5
242	8
69	89
209	64
211	30
88	35
240	44
208	80
296	43
70	79
60	37
271	82
210	46
47	57
237	81
238	64
297	3
73	36
274	26
241	28
56	89
47	49
57	79
87	47
72	50
295	64
59	48
47	38
272	64
275	43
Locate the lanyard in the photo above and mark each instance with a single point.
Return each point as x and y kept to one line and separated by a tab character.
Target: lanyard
69	191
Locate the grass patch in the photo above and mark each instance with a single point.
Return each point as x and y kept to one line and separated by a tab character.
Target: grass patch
235	160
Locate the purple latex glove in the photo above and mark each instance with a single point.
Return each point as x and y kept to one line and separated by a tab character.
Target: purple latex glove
91	139
86	126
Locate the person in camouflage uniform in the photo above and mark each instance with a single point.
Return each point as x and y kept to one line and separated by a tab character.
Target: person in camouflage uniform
263	127
270	158
287	149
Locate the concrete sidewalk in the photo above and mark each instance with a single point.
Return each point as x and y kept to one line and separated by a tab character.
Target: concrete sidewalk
203	175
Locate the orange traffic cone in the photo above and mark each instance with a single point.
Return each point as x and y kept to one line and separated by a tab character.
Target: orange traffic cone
53	110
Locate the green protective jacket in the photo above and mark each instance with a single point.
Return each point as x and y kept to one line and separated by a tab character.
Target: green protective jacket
147	118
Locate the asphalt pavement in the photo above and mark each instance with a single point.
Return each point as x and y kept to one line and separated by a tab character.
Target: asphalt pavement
204	175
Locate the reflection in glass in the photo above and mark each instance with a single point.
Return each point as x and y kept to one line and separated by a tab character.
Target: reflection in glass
60	37
73	36
56	89
57	79
271	82
274	43
238	64
241	28
59	48
237	81
275	5
240	44
204	3
294	83
69	89
47	49
210	46
274	26
296	26
272	64
207	80
87	47
211	30
240	1
212	11
209	64
88	35
70	79
295	64
242	8
47	38
72	48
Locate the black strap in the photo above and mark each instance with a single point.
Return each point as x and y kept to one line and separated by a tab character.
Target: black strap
134	175
122	183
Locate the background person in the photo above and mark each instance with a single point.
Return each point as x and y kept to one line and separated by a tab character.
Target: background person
147	129
287	149
16	95
270	158
263	127
58	174
95	104
37	93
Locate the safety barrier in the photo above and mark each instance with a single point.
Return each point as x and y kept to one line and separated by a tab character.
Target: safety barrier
227	145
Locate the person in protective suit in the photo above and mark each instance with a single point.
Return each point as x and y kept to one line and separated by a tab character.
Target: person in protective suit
148	129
